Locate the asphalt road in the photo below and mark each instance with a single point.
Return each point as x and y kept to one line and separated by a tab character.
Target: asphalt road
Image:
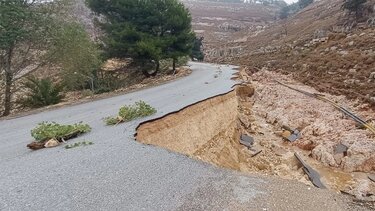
118	173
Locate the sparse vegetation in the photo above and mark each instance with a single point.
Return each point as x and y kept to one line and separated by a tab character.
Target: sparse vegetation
38	35
78	144
41	92
354	6
131	112
52	130
81	72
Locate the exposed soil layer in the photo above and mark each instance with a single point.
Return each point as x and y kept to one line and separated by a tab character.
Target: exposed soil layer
192	130
210	131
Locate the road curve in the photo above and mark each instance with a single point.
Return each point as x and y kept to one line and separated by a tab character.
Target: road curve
118	173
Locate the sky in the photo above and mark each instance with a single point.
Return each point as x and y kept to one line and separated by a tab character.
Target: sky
290	1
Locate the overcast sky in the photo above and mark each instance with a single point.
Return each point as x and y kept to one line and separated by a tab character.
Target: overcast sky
290	1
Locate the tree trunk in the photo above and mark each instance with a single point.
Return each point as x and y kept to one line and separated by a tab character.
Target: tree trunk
145	69
8	83
174	66
8	94
156	68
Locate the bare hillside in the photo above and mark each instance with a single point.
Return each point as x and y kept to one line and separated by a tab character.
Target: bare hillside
321	46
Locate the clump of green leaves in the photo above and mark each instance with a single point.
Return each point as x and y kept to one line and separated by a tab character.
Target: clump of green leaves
131	112
45	131
41	92
78	144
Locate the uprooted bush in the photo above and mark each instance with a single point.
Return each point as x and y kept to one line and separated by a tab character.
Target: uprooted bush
47	131
131	112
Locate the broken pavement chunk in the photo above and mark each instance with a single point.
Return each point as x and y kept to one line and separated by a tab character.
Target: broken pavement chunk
254	151
313	175
246	140
341	148
290	134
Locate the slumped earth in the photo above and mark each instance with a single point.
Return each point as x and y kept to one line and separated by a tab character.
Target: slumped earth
210	131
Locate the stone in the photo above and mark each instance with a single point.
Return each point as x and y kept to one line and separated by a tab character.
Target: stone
352	71
351	43
338	158
333	48
246	140
323	154
372	75
279	151
343	52
340	149
51	143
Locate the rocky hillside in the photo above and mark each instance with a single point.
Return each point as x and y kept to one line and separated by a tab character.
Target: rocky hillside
228	23
322	46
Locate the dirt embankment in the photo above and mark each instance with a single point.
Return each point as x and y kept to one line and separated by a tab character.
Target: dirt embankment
196	131
210	131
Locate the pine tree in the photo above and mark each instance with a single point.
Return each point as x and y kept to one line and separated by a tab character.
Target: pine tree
145	30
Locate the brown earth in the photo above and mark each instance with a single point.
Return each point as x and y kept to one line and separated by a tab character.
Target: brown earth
210	131
321	46
228	23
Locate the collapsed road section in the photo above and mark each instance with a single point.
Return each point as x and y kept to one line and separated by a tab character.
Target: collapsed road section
262	125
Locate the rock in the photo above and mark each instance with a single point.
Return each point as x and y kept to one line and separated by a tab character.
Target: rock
338	158
333	48
324	155
349	81
279	151
351	43
244	120
352	71
340	149
369	61
51	143
372	75
343	52
368	165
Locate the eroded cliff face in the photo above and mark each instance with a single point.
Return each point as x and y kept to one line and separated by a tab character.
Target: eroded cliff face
195	130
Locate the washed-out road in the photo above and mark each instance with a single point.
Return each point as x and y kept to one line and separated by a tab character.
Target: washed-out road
118	173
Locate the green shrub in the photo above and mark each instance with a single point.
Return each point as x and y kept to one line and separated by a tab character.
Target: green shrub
41	92
131	112
45	131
